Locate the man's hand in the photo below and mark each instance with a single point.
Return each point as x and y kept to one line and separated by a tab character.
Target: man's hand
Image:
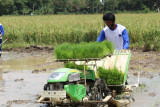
0	35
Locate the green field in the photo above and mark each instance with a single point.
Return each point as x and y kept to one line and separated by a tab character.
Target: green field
143	29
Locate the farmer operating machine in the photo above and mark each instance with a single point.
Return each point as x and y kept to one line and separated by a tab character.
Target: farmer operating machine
73	87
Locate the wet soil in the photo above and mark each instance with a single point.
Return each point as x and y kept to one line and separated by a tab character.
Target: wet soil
147	61
32	48
147	64
24	71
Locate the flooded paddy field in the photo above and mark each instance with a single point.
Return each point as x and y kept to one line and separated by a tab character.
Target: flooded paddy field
148	65
24	72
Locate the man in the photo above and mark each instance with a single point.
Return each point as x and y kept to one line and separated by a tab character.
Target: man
115	33
1	34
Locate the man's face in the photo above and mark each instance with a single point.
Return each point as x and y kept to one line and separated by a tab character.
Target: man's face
109	23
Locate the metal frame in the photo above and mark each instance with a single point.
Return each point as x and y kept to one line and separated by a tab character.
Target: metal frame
116	52
119	52
85	61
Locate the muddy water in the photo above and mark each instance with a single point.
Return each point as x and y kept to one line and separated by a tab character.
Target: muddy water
147	94
23	75
22	78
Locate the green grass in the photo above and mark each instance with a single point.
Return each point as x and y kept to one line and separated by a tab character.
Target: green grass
57	29
83	50
111	76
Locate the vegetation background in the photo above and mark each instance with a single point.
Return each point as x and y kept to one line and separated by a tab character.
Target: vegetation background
24	7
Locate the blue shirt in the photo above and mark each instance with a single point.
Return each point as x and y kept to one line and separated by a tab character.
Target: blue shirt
1	30
118	36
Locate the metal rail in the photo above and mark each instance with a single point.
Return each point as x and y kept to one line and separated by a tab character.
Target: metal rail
84	59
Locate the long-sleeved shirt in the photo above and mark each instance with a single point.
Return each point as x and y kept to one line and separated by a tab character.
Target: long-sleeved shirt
118	37
1	30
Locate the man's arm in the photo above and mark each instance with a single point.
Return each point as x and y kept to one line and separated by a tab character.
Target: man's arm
125	39
2	30
101	36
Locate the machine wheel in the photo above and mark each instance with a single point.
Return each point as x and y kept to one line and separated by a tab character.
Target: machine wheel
46	87
126	83
100	90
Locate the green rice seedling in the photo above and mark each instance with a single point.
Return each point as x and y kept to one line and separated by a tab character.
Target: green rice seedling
64	51
75	66
83	50
111	76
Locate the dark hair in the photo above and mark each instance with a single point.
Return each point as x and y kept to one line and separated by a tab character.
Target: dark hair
109	16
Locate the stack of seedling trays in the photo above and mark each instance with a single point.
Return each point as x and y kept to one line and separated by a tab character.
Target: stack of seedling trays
111	76
83	51
114	69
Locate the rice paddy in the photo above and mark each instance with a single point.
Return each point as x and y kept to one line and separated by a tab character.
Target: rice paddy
143	29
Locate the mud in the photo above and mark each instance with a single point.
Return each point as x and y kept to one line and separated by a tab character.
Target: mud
147	64
16	80
24	71
146	61
32	48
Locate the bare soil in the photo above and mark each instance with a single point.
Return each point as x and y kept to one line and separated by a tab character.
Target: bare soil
148	61
32	48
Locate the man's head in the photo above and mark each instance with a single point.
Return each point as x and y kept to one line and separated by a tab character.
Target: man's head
109	19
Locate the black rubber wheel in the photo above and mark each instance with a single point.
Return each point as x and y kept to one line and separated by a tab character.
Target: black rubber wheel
46	87
126	83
